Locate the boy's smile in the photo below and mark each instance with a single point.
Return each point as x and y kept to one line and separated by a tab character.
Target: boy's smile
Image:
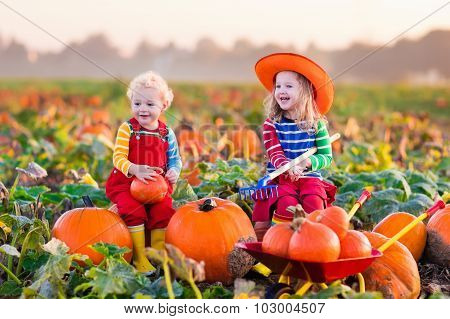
146	106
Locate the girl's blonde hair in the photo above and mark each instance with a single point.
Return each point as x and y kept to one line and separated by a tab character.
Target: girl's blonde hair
151	79
308	115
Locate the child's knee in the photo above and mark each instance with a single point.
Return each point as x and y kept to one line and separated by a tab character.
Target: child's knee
160	214
312	202
131	211
282	214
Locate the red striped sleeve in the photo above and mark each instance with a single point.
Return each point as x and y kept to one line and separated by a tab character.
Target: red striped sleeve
272	145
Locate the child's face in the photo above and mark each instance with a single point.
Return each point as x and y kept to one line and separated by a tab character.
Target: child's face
287	90
146	105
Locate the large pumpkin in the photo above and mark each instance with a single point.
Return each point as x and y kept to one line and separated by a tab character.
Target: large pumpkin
208	230
438	242
81	227
394	274
414	240
150	193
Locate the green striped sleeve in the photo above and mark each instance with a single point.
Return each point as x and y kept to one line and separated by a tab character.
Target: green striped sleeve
323	157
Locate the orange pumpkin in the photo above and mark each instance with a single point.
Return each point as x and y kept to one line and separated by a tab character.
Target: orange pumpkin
150	193
333	217
394	274
208	230
96	129
276	239
313	242
81	227
414	240
246	143
438	242
355	245
192	177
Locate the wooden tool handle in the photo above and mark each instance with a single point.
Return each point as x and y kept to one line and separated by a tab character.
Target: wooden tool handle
299	159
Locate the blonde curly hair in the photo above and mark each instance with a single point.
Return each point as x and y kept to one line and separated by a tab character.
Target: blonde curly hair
151	79
308	114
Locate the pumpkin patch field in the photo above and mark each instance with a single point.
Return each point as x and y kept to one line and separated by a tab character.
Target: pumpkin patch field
60	236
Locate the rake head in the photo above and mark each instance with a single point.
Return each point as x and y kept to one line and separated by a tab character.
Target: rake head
261	191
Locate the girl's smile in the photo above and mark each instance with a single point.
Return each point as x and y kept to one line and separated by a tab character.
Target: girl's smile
287	91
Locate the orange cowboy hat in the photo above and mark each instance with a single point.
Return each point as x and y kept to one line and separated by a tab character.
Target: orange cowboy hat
268	67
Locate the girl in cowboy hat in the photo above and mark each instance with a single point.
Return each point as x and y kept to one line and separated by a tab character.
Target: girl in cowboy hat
145	146
301	93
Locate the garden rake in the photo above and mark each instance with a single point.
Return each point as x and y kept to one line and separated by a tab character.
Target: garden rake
264	191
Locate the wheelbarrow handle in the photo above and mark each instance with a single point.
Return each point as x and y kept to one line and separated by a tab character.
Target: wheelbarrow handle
300	158
365	195
433	209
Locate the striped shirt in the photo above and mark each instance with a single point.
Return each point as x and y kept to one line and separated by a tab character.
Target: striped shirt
121	148
284	141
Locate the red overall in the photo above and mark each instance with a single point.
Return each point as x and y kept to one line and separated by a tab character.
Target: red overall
311	192
143	150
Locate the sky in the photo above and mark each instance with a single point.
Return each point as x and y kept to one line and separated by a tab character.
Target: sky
327	24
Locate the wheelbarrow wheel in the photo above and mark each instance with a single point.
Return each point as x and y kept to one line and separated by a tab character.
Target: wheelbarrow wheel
279	290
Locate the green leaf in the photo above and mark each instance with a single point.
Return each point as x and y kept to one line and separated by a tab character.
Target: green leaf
110	250
53	198
382	204
345	200
395	179
34	260
424	188
443	187
29	193
119	279
49	280
416	205
217	292
367	178
353	186
183	193
14	221
157	289
10	288
76	191
414	177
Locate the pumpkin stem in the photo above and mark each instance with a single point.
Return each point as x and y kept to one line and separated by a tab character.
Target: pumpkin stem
297	223
208	204
297	210
87	201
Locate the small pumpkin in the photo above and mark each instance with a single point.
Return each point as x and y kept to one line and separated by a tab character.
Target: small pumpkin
96	129
395	273
277	238
438	242
414	240
313	242
150	193
81	227
333	217
246	143
208	230
355	245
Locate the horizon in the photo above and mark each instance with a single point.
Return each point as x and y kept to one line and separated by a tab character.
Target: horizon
110	19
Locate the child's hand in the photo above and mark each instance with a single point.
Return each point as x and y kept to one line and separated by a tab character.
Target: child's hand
172	176
143	172
297	171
